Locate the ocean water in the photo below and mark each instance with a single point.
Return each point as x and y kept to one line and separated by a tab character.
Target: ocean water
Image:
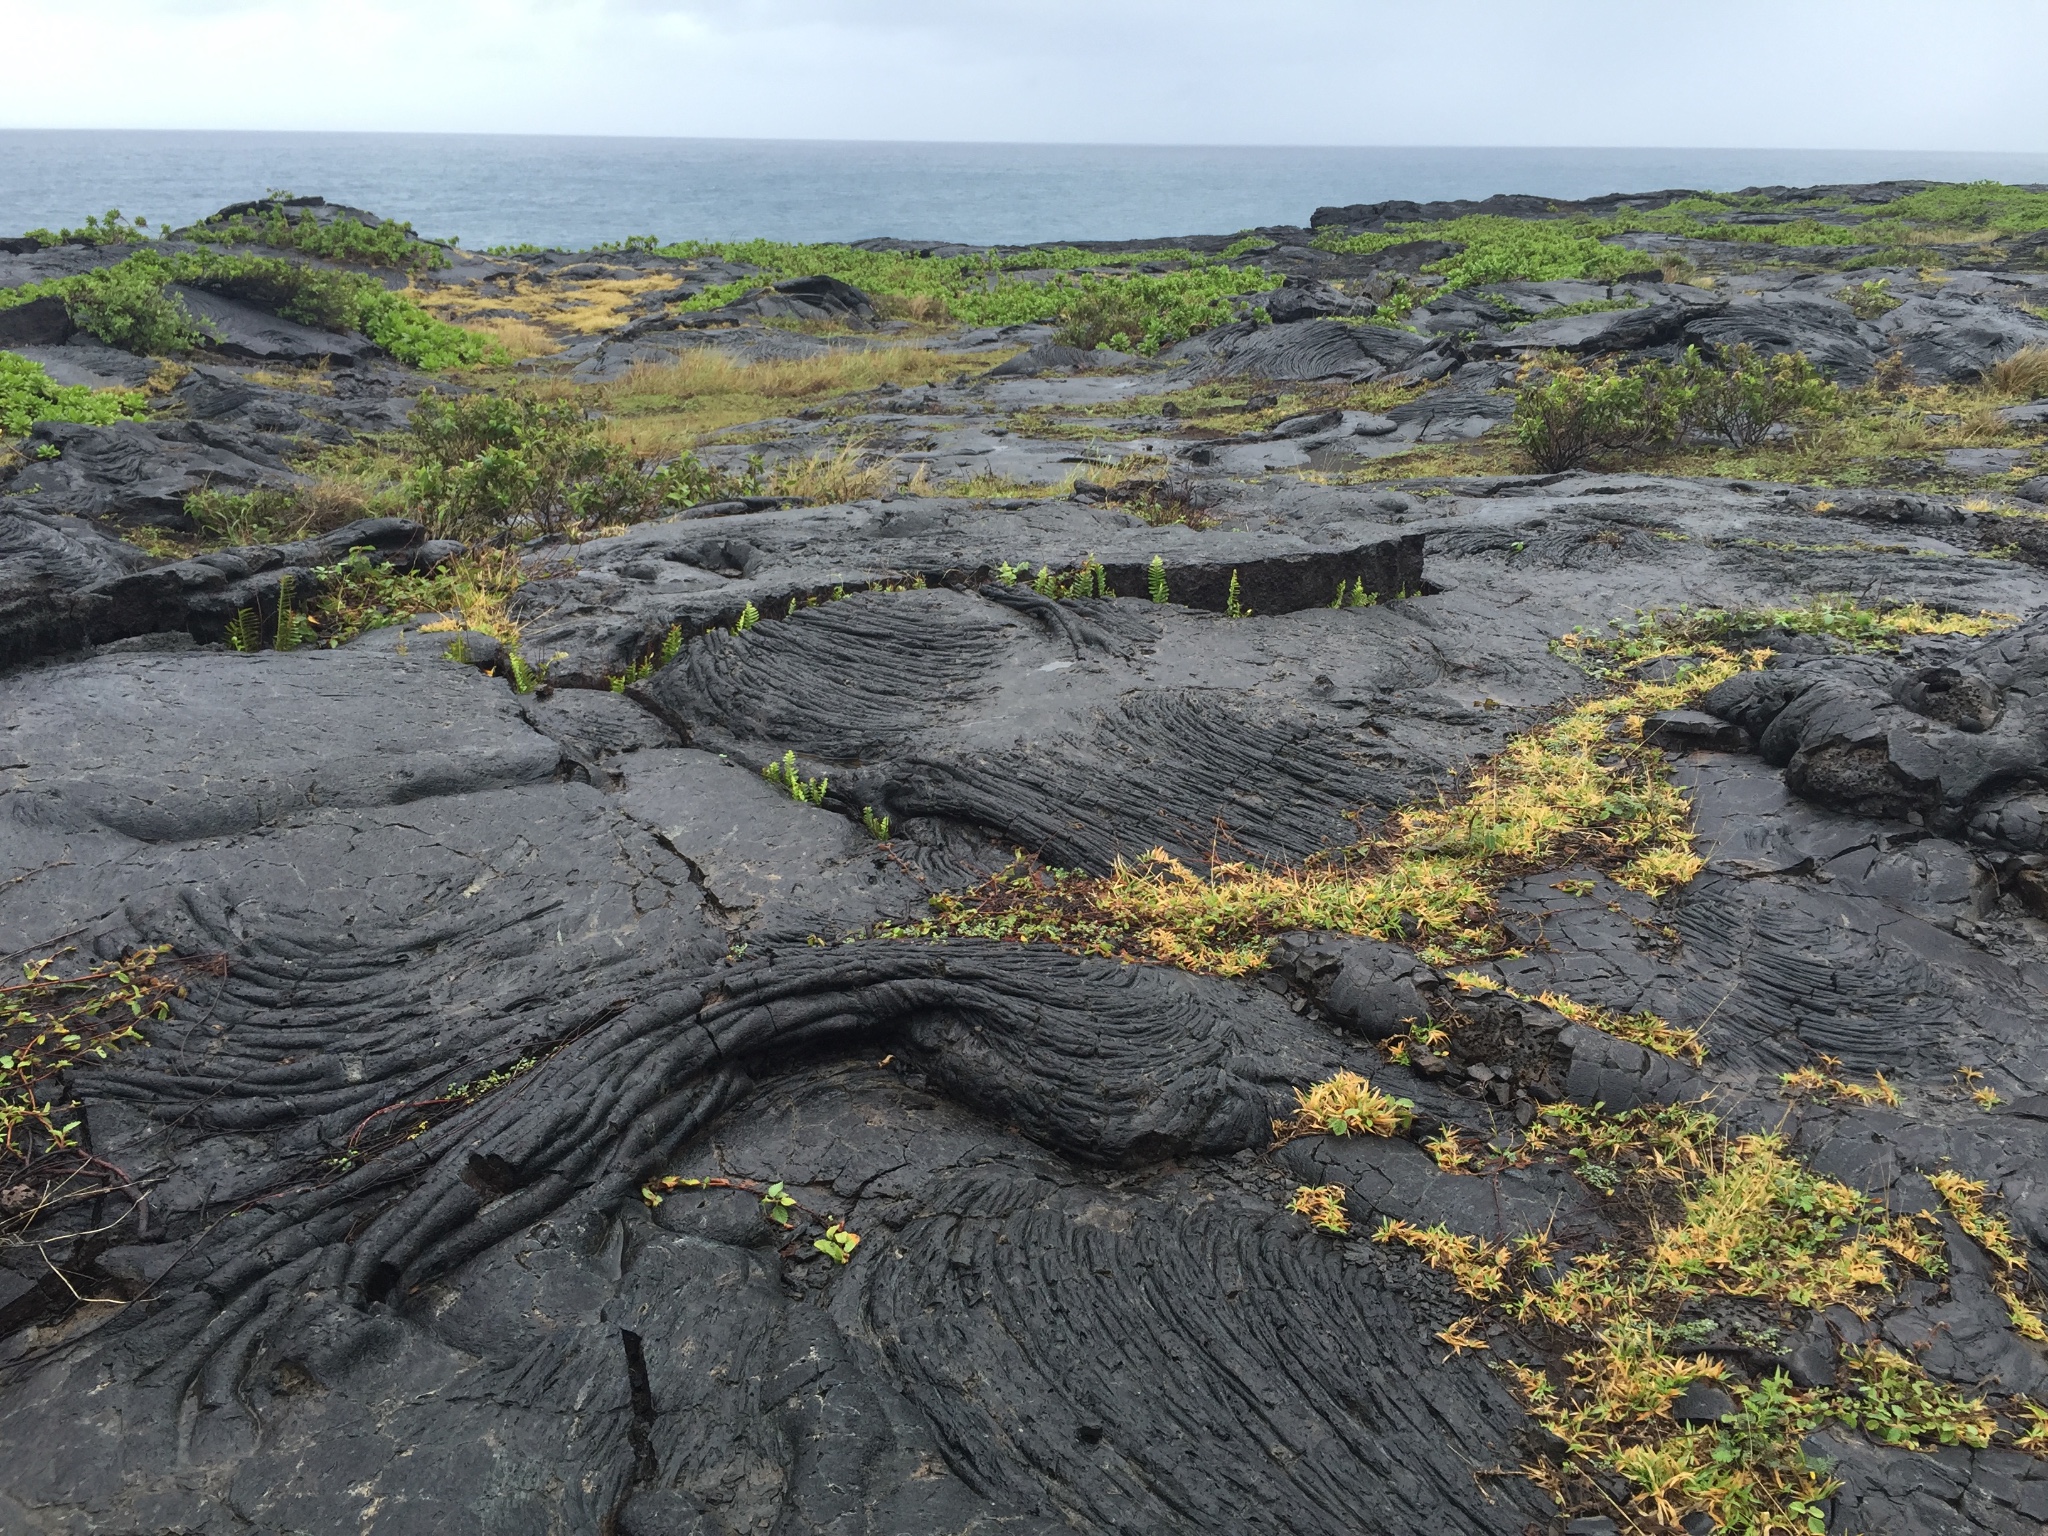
575	192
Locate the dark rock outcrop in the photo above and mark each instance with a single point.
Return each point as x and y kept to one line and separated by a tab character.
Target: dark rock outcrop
65	585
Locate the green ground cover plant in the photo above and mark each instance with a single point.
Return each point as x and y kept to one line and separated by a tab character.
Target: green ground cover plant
28	396
386	244
111	230
1581	788
470	592
1147	310
1500	249
126	305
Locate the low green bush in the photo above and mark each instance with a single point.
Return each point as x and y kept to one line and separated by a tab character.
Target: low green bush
415	337
124	305
1138	314
28	396
494	464
1566	411
112	230
1741	395
1869	300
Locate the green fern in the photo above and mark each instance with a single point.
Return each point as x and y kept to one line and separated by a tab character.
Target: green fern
878	826
293	629
1233	602
245	631
802	790
1155	579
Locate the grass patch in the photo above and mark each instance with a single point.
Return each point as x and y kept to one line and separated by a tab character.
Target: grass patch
849	473
580	306
515	339
2024	375
469	592
1874	626
1649	1030
667	407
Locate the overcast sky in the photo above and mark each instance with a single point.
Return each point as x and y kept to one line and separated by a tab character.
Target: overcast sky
1878	74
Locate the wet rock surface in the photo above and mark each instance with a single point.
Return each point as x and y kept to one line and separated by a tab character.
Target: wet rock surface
359	1290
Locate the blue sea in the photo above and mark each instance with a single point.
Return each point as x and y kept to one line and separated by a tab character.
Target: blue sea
483	189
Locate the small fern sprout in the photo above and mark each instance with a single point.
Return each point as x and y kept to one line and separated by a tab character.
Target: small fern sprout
1155	579
245	632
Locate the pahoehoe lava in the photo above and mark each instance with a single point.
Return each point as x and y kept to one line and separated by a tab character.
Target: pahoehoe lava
568	1125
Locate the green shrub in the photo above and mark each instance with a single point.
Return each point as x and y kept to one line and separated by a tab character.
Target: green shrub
314	296
1871	299
112	230
1566	412
415	337
125	306
1992	205
1742	395
490	464
1137	315
27	396
1502	249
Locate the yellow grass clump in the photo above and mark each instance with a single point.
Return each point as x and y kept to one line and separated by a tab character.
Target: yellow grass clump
2024	374
519	338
